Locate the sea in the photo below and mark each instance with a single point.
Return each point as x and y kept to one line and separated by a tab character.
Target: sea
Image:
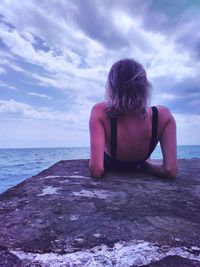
18	164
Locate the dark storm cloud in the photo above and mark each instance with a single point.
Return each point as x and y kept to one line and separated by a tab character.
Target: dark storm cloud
186	94
180	23
189	38
177	20
94	19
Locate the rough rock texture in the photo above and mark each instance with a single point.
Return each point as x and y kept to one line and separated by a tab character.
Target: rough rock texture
63	217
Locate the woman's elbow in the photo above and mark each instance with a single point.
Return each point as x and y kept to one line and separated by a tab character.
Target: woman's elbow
96	172
171	173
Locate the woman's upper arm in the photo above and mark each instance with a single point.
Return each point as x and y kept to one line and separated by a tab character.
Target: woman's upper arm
97	141
168	143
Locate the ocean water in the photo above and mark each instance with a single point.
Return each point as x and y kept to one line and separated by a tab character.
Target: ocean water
19	164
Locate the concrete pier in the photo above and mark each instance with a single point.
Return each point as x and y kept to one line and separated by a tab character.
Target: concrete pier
63	217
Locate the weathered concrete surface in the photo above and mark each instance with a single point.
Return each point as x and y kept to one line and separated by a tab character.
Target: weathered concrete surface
62	217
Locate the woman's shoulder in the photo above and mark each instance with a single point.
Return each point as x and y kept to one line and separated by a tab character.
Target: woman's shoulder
164	114
164	111
99	108
100	105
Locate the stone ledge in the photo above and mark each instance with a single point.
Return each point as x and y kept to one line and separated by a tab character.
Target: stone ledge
62	216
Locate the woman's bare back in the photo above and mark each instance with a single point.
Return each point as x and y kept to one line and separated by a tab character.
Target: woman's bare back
133	134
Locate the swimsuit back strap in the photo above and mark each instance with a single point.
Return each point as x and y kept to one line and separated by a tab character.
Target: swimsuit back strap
154	131
113	137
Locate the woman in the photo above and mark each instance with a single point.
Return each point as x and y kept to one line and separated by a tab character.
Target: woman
124	131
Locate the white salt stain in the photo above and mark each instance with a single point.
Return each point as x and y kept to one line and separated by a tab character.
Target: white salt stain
77	176
97	235
65	176
49	190
95	193
79	240
52	176
177	239
65	181
195	248
74	217
136	252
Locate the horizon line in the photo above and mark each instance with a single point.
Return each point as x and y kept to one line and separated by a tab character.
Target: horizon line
48	147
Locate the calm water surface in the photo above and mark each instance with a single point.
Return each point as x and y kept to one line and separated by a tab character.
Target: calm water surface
19	164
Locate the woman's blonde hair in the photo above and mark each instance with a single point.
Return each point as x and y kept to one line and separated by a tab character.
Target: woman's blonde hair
127	88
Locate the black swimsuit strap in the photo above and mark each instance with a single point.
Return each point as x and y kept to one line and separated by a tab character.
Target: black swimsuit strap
113	124
154	130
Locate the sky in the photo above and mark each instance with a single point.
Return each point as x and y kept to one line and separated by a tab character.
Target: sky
55	57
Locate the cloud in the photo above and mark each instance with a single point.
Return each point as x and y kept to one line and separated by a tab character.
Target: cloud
59	70
180	96
2	71
188	37
93	19
2	84
16	44
40	133
24	110
188	128
41	127
178	22
69	67
64	50
39	95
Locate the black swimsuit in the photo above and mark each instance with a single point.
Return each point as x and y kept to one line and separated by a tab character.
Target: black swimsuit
111	163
